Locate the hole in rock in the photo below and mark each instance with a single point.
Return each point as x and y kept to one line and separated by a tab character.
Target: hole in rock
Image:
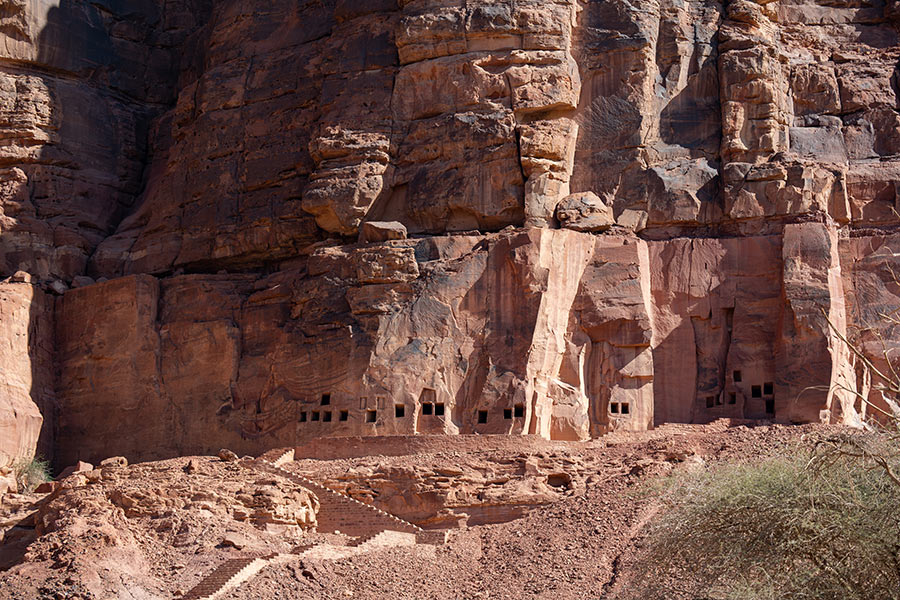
482	416
559	480
614	408
303	417
756	391
520	411
428	408
315	415
344	415
326	399
768	388
399	411
439	409
770	406
507	414
625	408
732	398
736	376
326	417
371	416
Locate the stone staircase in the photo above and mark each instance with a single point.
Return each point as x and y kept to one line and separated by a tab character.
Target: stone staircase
228	576
372	527
341	513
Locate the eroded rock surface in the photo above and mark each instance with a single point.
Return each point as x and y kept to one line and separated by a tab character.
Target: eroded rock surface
266	224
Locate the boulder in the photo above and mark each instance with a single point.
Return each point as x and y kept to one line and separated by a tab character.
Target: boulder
381	231
79	467
585	212
21	277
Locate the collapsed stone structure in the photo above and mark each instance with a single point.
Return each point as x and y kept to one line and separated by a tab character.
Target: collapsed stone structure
599	216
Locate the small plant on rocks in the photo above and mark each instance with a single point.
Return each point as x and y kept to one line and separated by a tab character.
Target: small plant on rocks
30	473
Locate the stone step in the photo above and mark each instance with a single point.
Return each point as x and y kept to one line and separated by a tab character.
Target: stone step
227	576
338	512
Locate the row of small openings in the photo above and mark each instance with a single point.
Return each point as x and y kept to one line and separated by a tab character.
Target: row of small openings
324	416
344	415
518	411
712	401
620	408
436	409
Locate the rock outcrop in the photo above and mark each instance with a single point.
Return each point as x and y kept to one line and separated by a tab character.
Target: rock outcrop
502	217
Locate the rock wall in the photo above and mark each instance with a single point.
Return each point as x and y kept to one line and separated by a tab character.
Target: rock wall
26	390
602	216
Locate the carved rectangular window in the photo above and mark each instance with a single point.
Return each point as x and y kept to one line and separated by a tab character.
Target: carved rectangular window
482	416
736	376
626	409
439	409
770	406
519	411
756	391
326	399
399	411
303	416
344	415
732	398
768	388
507	414
326	417
371	416
614	408
428	408
315	415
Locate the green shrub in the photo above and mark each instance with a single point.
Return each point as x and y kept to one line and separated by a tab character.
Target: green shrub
801	526
30	473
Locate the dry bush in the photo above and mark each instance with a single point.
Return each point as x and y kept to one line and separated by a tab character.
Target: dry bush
30	473
799	526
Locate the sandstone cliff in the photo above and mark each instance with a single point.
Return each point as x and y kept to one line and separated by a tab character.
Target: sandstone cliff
605	216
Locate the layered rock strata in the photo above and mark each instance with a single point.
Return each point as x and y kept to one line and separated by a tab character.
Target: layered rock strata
406	216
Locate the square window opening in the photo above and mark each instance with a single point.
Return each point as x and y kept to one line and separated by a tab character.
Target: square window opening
756	391
439	409
626	409
303	416
614	408
482	416
768	388
732	398
736	376
507	414
428	408
770	406
326	417
399	411
315	415
519	411
326	399
344	415
371	416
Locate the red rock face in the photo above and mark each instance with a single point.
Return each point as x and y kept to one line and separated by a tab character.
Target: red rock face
654	214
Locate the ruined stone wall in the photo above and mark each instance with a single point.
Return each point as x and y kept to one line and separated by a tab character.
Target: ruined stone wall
616	214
